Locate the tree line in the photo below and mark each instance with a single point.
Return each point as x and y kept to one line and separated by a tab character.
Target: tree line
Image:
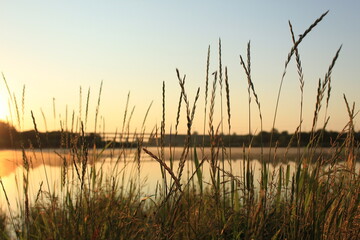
11	138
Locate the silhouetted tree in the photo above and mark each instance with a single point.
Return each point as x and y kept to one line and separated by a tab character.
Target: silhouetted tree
7	135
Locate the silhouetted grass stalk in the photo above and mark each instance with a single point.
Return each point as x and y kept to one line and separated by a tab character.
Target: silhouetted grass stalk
295	46
317	199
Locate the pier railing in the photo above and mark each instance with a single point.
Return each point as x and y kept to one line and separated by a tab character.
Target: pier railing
131	137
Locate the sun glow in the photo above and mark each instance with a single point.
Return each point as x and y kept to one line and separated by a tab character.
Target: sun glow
4	110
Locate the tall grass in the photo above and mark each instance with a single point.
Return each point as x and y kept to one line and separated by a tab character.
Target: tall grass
319	199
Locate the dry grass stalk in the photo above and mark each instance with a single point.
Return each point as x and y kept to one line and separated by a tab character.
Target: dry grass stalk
84	158
212	105
164	165
317	106
142	134
350	142
125	116
302	83
23	107
127	136
182	83
301	37
327	80
321	91
251	87
221	87
190	116
41	152
80	105
7	87
97	109
26	190
178	112
206	94
17	112
162	137
222	118
213	159
17	231
44	119
295	46
220	66
227	88
11	102
64	168
193	109
182	86
162	129
87	107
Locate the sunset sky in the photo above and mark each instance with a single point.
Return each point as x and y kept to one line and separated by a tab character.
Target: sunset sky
55	47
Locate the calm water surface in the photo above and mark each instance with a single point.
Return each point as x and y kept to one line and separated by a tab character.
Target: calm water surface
112	163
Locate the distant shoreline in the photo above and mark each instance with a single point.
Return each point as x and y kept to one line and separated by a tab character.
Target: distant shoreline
278	155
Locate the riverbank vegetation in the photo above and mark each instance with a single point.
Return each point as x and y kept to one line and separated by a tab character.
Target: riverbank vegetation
319	199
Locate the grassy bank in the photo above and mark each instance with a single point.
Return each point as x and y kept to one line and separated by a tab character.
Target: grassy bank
319	199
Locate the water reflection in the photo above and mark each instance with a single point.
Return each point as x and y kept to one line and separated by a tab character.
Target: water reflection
112	164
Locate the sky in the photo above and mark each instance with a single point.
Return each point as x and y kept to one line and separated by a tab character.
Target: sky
56	48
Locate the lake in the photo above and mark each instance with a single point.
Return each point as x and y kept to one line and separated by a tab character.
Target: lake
115	163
